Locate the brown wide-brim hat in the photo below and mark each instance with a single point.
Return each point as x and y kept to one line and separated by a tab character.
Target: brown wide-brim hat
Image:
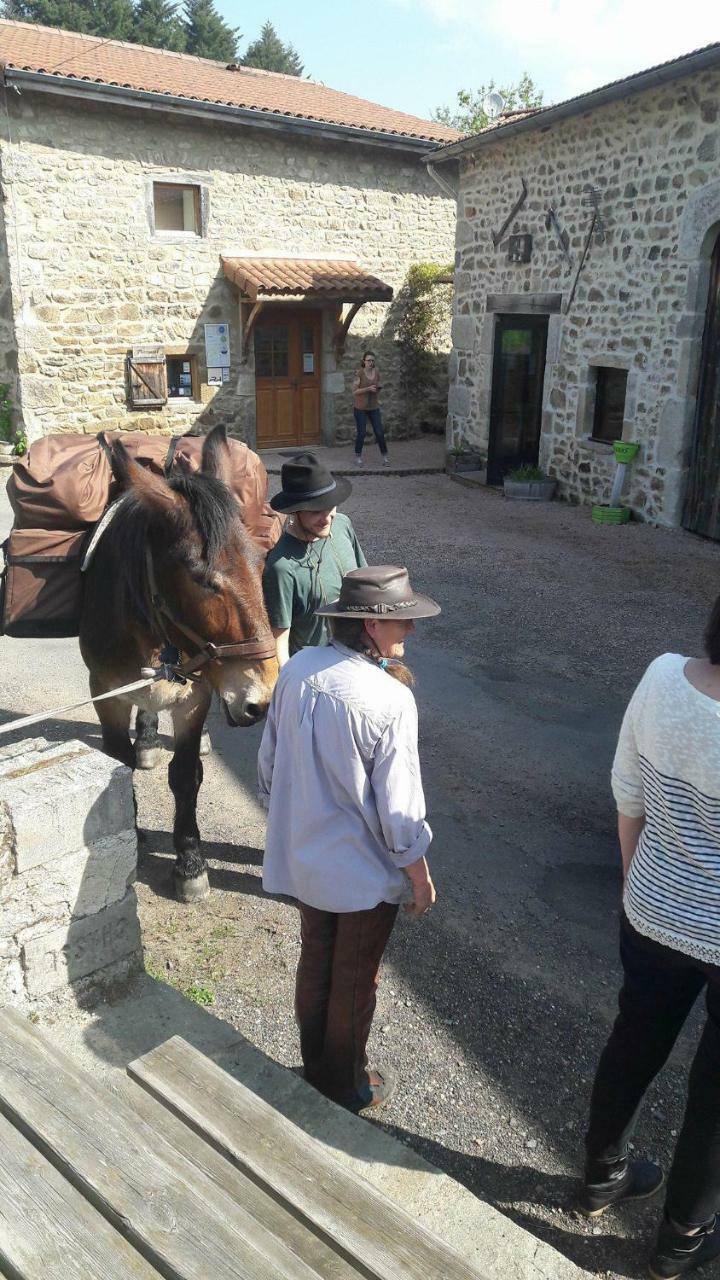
307	485
379	591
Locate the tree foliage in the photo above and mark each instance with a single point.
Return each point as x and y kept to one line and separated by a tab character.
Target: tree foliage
112	19
270	54
469	115
424	306
208	35
158	23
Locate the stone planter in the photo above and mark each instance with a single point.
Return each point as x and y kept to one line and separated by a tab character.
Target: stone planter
456	462
530	490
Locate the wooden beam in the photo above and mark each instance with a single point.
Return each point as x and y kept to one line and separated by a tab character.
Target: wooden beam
249	324
342	327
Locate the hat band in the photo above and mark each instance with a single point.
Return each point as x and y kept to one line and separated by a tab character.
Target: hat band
314	493
378	608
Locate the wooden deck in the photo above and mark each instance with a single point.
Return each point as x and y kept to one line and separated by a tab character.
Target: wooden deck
189	1177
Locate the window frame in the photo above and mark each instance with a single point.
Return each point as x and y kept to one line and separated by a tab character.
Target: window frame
202	206
601	372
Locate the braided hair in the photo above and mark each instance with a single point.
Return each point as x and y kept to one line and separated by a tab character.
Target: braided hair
351	632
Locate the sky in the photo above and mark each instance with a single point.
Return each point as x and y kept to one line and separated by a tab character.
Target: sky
414	55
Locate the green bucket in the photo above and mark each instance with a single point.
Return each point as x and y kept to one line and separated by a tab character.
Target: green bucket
610	515
625	450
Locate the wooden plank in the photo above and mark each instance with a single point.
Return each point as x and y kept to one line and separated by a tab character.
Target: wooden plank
171	1212
298	1236
48	1231
382	1238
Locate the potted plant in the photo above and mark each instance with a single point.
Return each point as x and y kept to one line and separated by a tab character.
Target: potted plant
463	458
530	484
7	435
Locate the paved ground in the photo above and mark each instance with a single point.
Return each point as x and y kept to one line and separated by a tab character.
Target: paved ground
494	1009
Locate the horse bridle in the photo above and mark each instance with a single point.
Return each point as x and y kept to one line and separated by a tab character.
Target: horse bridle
206	651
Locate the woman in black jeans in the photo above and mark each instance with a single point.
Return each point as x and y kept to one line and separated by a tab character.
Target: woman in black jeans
666	782
366	387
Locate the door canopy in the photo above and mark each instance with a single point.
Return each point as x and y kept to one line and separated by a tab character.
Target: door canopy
261	280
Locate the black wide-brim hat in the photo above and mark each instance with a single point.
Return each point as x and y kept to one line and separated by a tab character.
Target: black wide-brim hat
308	486
379	591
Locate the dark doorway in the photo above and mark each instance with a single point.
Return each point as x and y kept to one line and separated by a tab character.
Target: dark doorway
702	501
517	387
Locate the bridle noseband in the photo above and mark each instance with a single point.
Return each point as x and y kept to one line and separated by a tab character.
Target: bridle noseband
206	651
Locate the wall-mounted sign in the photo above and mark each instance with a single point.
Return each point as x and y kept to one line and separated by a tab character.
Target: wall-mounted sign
215	377
217	346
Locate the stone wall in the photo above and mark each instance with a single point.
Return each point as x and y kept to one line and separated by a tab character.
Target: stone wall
68	859
90	279
641	298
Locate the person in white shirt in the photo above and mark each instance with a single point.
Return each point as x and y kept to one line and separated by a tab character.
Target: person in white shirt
338	770
666	782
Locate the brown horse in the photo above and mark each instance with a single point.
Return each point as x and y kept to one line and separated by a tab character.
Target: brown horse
176	578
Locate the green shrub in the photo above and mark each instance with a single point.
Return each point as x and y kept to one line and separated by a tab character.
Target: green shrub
527	474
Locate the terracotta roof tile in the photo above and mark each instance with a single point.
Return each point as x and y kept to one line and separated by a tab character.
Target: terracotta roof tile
25	46
305	277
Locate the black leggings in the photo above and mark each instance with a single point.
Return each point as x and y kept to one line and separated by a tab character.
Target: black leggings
659	990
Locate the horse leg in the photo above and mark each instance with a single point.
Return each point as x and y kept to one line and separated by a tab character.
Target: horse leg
185	775
114	717
148	748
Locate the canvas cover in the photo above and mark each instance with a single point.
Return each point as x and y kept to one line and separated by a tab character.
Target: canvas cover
59	491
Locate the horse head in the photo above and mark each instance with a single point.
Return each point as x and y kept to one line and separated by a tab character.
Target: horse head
207	576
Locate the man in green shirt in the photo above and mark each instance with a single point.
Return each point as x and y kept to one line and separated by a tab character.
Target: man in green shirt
306	566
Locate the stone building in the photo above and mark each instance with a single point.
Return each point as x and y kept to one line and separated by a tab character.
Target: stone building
185	243
587	291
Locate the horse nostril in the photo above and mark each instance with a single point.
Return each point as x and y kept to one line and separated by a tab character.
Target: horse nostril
254	710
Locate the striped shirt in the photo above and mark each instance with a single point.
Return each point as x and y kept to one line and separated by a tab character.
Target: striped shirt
667	767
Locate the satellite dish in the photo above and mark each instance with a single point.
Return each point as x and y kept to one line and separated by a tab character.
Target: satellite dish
493	104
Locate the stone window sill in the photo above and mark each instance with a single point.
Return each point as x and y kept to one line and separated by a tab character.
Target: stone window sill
183	403
595	446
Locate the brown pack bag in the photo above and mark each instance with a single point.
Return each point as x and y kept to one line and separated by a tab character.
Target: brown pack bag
59	491
66	481
42	583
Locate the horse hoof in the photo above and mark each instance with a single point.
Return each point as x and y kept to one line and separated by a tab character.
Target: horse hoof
192	888
205	744
148	757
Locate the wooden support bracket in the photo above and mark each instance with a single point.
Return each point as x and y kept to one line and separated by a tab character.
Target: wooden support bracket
342	327
247	322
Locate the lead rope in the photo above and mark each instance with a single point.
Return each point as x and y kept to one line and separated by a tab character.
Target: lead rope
100	697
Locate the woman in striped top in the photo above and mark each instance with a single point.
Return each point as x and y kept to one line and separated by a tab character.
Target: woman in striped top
666	782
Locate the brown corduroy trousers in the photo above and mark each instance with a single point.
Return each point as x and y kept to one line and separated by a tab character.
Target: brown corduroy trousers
335	992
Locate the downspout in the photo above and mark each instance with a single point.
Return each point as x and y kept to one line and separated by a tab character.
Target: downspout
444	186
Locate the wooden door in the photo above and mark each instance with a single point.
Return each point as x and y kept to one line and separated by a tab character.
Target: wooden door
702	501
287	377
517	387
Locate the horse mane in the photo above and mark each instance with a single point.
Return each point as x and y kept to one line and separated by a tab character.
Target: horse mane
213	512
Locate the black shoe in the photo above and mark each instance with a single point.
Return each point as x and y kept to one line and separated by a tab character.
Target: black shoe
677	1254
629	1180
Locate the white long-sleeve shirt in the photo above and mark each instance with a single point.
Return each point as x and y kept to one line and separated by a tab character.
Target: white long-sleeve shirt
338	770
667	767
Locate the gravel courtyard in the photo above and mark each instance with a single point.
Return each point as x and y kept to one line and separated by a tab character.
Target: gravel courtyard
493	1010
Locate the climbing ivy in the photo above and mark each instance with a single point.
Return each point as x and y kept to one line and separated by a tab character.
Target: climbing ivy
424	305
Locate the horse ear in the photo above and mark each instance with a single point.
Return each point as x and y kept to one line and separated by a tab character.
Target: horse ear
216	458
152	490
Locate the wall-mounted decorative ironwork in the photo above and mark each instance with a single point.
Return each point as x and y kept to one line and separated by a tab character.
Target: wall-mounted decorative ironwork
590	200
497	236
520	248
563	239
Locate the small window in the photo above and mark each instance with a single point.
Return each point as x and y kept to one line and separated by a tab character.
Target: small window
610	389
177	207
182	378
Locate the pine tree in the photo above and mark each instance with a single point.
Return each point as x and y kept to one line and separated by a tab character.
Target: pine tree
208	36
270	54
158	23
112	19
